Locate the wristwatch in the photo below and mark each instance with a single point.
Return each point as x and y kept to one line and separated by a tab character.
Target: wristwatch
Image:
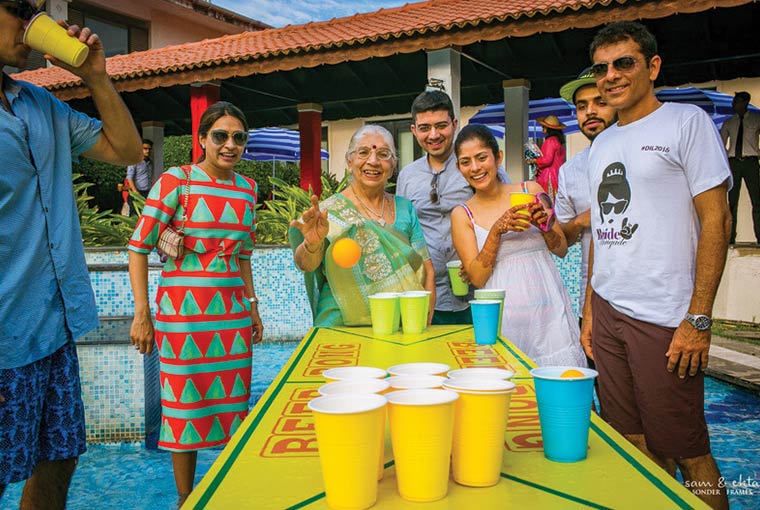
700	322
253	300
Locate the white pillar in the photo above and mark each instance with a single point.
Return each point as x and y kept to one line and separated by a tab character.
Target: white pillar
444	66
516	95
154	131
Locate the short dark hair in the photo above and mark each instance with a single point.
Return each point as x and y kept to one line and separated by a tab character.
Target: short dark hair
743	95
621	31
432	101
147	141
477	132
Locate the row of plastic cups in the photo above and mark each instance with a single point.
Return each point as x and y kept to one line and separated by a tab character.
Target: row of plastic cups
390	310
415	369
463	423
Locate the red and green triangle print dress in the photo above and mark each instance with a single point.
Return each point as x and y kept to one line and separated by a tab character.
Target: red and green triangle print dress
203	324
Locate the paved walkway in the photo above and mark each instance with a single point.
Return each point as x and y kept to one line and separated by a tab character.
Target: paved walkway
736	362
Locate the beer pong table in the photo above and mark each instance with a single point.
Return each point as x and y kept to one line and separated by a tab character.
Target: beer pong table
272	461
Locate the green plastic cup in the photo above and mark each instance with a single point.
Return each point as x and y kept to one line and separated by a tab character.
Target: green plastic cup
498	295
458	286
385	313
414	311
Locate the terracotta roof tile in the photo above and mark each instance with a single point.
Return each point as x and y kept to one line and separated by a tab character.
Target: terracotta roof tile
407	20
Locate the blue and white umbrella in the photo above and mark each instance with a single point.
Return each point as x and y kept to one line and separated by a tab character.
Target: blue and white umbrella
493	115
275	144
717	104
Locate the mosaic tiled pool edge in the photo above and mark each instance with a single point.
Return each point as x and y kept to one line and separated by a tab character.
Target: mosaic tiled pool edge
119	388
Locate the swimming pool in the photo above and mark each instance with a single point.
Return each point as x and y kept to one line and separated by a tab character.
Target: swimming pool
111	477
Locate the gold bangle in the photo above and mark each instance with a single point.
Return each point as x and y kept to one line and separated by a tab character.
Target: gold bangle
319	247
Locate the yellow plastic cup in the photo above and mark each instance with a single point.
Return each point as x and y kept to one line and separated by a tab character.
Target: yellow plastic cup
419	368
520	199
481	373
347	428
459	287
45	35
414	311
480	423
366	386
342	373
422	424
414	382
385	313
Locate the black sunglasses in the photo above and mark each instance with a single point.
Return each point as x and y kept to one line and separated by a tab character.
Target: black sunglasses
620	64
22	9
618	207
434	196
220	137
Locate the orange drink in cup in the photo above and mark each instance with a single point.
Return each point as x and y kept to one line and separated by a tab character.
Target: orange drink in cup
45	35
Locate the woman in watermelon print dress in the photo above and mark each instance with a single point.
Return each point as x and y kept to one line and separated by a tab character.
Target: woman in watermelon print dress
207	312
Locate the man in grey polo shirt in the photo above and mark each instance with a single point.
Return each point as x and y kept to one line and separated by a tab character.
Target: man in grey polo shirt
140	175
435	186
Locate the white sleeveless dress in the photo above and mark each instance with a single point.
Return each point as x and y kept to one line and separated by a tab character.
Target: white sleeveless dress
538	316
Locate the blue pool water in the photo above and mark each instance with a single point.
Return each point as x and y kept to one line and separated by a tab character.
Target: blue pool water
111	477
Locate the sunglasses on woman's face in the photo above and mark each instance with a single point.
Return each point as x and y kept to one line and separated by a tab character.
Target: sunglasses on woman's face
220	137
620	64
22	9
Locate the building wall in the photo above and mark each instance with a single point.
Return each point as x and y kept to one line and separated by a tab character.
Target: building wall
169	24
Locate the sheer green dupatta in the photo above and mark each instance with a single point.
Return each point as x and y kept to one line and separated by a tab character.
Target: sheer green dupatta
388	262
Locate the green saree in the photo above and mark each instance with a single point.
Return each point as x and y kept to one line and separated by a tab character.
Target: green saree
391	261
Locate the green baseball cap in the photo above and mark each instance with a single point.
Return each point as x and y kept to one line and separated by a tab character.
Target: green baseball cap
568	90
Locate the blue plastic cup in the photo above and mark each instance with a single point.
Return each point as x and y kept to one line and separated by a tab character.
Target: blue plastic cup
564	410
485	320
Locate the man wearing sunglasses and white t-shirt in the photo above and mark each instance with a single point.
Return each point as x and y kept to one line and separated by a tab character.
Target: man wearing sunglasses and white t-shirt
46	300
660	224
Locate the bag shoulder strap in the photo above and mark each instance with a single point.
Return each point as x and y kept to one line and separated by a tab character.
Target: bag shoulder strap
187	169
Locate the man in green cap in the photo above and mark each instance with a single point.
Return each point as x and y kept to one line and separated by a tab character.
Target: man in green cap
573	200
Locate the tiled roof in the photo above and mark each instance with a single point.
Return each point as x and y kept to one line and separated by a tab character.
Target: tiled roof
405	21
429	20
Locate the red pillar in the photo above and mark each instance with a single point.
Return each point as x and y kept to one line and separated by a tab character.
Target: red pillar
310	128
202	95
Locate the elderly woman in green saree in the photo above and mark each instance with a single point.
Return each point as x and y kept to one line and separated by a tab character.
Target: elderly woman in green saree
394	257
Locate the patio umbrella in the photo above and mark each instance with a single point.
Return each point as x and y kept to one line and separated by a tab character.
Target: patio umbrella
275	144
717	104
493	115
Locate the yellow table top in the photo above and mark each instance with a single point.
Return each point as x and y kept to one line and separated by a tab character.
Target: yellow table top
272	461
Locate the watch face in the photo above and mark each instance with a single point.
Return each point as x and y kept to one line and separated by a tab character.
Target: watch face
702	323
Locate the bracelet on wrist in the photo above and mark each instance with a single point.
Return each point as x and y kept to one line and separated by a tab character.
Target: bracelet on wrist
253	300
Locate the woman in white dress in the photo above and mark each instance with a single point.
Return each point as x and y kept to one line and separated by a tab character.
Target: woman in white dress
506	248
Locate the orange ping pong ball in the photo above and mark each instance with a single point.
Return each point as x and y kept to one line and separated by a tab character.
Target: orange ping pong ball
346	252
567	374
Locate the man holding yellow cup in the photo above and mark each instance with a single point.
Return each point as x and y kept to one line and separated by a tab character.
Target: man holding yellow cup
51	302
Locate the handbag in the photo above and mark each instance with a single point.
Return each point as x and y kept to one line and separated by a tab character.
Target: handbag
171	241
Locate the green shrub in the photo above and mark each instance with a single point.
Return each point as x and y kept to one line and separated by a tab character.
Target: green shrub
288	203
103	228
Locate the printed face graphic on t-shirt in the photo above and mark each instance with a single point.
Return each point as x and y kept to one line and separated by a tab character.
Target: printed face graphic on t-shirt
614	197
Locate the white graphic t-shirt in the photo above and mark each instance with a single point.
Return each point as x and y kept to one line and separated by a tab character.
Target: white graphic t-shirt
642	180
573	199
